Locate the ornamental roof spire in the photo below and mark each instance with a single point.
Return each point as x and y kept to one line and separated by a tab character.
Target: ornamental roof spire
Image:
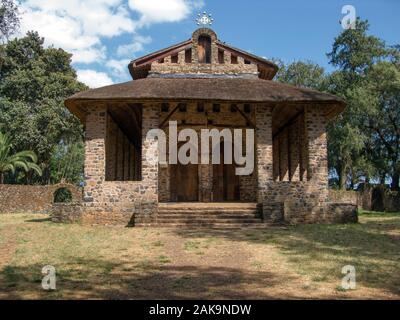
204	20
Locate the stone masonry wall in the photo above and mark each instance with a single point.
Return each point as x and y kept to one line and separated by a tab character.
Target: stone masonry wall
299	197
166	66
113	202
128	203
32	199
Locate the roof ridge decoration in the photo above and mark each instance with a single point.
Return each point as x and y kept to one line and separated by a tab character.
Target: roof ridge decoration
204	20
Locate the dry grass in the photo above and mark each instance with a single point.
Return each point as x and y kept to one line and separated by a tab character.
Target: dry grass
121	263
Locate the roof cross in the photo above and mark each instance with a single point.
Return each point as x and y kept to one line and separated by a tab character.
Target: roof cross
205	20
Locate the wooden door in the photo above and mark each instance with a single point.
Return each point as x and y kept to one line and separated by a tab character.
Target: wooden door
226	184
184	183
204	49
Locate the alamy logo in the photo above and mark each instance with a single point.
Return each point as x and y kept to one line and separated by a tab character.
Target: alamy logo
350	18
189	142
349	280
49	279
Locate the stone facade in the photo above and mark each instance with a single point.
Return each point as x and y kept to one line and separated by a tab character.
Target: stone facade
290	180
180	66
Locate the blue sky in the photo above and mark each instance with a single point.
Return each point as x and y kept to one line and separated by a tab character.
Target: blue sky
104	35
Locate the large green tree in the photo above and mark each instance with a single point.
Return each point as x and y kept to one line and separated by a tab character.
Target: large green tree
356	150
34	82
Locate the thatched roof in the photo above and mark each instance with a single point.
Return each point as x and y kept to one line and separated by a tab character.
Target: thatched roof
236	90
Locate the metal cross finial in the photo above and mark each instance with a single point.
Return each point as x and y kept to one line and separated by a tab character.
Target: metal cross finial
205	20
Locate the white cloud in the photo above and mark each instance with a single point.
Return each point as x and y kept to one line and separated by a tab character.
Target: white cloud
119	69
137	45
94	79
81	26
77	25
157	11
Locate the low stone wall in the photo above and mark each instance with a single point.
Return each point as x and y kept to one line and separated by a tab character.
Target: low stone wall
303	212
33	199
343	196
138	214
392	201
376	198
66	212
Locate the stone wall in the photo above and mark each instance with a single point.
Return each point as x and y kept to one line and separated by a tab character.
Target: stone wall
342	196
180	66
113	202
301	196
376	198
32	199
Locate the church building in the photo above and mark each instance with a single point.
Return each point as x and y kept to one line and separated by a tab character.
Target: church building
204	83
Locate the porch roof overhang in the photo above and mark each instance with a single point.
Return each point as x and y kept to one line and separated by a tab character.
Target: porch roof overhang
218	90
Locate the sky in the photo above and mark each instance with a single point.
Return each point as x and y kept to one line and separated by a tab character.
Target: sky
104	35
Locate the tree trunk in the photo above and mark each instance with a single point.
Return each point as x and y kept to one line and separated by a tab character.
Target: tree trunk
395	182
342	178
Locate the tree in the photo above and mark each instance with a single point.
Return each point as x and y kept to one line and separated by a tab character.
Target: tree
303	74
34	82
24	160
379	99
353	150
9	19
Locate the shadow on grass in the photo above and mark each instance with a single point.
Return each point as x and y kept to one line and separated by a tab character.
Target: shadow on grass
325	249
105	280
39	220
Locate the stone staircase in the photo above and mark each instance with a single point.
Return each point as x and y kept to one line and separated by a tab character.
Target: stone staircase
209	215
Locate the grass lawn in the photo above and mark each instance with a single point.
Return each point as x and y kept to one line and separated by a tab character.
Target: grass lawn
278	262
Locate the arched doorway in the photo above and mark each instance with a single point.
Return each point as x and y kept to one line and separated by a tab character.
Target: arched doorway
62	195
204	49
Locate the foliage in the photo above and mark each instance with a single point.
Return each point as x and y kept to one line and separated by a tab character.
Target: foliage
363	140
34	82
303	74
62	195
24	160
9	19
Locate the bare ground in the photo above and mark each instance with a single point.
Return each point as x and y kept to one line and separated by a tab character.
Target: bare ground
302	262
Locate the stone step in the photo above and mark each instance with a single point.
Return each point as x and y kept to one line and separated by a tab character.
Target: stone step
207	220
209	216
207	206
219	225
207	212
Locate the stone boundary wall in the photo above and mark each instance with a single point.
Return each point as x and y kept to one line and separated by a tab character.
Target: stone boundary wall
33	199
366	199
342	196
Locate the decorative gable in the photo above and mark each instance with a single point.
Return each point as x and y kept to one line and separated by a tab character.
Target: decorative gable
203	56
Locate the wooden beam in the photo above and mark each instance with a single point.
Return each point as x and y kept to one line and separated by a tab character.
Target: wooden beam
169	116
252	124
288	123
125	131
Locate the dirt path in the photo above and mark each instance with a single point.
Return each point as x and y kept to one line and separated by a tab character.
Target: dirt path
7	245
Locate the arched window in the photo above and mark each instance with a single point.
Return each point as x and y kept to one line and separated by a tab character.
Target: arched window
204	49
62	195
